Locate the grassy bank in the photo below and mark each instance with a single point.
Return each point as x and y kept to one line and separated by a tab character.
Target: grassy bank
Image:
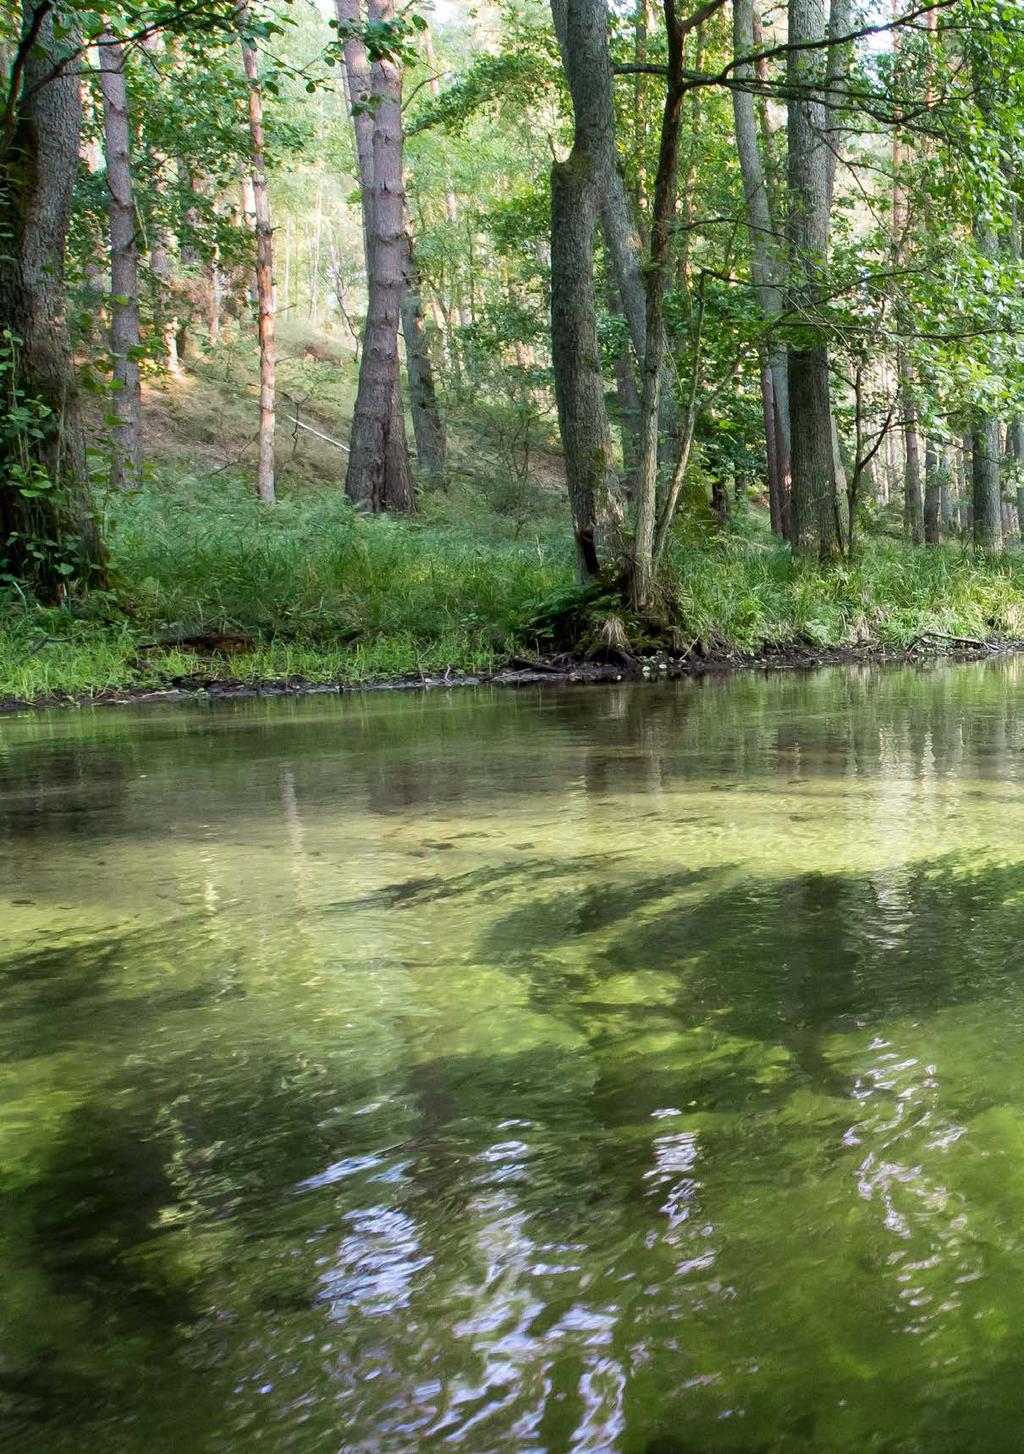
310	589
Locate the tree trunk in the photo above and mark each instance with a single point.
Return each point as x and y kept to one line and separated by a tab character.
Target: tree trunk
378	475
126	403
913	503
945	492
162	269
988	524
427	425
627	404
771	448
45	533
264	269
933	473
815	514
657	279
764	263
1017	448
582	30
576	357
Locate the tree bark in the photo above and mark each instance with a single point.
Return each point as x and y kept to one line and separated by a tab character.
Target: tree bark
1017	448
264	269
765	264
913	501
576	357
582	30
378	475
985	497
815	514
657	279
42	533
933	472
427	425
126	403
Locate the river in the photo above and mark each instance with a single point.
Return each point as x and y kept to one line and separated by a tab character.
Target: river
633	1069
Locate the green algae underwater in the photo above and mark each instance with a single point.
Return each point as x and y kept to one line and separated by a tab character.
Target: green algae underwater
633	1069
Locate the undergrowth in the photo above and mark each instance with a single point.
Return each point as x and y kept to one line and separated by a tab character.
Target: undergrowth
310	589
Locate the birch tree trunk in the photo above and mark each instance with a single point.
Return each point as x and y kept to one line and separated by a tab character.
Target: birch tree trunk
37	178
264	269
126	402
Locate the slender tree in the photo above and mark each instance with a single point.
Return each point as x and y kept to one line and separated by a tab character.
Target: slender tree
264	266
126	454
657	277
765	268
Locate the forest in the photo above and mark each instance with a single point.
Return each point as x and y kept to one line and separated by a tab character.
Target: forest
356	341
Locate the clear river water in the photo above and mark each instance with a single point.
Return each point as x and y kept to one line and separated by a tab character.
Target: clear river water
634	1069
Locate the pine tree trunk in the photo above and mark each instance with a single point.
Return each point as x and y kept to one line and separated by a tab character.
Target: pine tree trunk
126	403
378	476
265	487
815	513
37	178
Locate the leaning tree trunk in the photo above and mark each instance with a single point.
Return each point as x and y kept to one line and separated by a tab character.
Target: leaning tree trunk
576	358
588	71
48	533
985	496
264	269
815	512
126	404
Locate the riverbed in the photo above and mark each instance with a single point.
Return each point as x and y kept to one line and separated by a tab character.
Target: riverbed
633	1068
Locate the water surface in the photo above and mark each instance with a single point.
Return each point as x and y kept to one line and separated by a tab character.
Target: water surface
628	1069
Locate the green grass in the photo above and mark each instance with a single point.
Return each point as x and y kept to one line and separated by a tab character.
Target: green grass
330	596
745	595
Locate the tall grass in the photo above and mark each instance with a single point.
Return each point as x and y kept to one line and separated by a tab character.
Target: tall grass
326	594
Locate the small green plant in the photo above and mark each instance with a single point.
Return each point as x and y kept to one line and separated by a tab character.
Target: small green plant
25	423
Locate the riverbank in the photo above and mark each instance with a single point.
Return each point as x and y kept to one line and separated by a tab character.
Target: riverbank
214	595
522	672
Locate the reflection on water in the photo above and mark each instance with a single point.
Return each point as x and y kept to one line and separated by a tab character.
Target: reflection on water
634	1070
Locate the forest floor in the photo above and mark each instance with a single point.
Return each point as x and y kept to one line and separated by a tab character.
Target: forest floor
212	593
